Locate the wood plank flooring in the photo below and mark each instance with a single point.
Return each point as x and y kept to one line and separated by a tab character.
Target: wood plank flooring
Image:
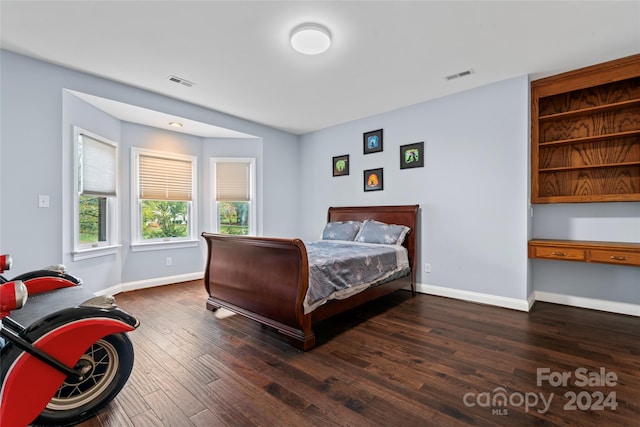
399	361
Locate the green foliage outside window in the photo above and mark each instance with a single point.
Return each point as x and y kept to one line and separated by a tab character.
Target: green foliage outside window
89	226
234	218
164	219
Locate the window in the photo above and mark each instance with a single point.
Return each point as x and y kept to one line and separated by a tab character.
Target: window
164	203
234	196
95	201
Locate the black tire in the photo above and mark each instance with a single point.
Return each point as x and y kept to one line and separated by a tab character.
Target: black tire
111	361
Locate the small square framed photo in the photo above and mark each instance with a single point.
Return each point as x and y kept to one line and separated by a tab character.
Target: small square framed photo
373	180
372	141
412	155
340	165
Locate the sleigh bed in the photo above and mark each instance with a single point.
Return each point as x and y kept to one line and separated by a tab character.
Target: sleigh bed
267	279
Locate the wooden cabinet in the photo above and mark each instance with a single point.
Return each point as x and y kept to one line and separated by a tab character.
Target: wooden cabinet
586	251
585	134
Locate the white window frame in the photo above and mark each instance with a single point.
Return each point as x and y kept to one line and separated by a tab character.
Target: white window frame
137	243
111	245
215	215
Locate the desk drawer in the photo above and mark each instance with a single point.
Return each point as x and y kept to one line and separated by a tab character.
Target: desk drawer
566	254
615	257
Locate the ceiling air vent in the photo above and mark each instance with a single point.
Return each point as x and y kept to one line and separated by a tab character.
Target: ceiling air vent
460	74
181	81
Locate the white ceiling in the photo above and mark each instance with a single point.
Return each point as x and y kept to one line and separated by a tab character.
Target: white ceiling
385	54
144	116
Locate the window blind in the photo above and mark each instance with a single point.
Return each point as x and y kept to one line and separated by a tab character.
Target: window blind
97	167
164	179
232	182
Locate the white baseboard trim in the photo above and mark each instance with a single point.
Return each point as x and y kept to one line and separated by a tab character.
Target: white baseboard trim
591	303
150	283
512	303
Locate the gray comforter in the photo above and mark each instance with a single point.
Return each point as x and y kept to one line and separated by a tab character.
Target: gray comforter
339	269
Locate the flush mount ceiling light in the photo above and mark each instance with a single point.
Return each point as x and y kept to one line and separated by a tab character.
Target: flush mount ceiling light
175	124
310	39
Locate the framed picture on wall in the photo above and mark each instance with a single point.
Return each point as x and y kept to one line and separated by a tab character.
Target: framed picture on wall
372	141
340	165
373	180
412	155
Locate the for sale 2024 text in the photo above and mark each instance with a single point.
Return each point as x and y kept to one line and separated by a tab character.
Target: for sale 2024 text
582	377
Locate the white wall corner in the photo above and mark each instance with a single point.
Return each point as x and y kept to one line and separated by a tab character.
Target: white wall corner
531	300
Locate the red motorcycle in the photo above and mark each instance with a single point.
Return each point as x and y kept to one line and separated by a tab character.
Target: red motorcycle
64	355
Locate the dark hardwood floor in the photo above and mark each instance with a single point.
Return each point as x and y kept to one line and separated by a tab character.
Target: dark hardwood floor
399	361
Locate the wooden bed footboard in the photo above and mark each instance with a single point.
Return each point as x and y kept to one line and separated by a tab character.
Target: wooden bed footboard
265	279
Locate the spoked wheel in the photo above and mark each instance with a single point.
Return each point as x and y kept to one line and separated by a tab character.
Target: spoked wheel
107	364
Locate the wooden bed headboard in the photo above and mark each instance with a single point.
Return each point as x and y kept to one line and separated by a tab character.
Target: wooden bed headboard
401	215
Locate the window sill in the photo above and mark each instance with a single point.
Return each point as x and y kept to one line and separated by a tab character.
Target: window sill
158	246
95	252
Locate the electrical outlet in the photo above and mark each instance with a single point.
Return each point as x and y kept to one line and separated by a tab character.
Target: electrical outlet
43	201
427	267
169	261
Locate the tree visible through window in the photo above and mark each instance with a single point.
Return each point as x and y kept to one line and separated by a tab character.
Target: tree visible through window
233	182
92	213
165	186
164	219
234	218
96	195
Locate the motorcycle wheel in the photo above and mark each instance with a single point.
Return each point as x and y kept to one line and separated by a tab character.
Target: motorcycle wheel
111	361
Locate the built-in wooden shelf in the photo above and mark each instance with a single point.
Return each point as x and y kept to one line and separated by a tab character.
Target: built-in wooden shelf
590	110
602	165
591	138
585	134
618	253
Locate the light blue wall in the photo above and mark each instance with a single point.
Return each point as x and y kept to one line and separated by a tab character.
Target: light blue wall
97	273
617	222
36	117
136	265
473	189
474	193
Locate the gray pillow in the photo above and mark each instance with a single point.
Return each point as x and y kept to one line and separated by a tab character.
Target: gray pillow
346	230
379	232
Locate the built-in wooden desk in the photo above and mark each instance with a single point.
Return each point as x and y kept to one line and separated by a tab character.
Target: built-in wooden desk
586	251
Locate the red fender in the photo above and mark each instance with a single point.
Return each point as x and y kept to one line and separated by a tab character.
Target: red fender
30	383
46	283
